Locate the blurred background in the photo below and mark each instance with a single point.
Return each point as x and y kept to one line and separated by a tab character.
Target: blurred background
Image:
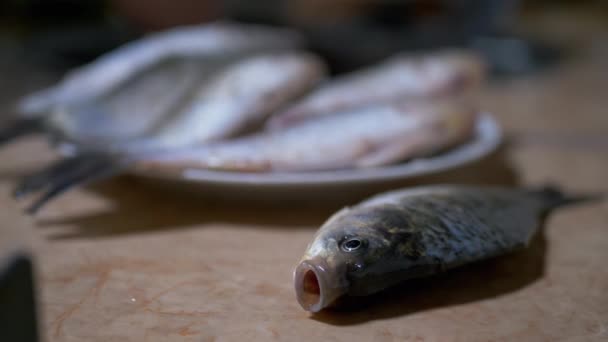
64	33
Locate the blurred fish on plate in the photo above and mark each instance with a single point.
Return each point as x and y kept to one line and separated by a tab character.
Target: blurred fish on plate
243	104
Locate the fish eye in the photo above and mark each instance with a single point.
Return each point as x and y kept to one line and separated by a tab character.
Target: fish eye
352	244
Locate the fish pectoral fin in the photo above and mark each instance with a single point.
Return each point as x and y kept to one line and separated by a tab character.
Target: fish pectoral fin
397	150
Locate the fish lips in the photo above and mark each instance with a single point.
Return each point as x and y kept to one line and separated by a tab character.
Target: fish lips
318	285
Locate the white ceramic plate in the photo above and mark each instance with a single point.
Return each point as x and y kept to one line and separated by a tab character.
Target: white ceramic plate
236	184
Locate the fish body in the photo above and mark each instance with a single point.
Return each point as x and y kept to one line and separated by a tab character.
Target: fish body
195	111
133	109
212	41
413	233
414	77
240	96
189	101
125	93
363	137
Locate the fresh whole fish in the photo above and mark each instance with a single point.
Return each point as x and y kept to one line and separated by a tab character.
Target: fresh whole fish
243	95
212	41
135	121
236	98
413	233
429	76
124	93
364	137
189	101
132	110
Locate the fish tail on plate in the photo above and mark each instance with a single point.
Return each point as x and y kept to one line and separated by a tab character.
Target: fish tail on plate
49	175
66	174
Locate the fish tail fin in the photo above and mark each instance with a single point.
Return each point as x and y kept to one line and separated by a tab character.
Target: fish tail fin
66	174
553	198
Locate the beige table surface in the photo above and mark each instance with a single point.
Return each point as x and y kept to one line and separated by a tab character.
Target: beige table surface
125	261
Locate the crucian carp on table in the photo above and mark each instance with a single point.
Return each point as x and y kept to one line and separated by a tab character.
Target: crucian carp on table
126	261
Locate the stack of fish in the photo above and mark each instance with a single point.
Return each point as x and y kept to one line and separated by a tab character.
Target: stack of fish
248	98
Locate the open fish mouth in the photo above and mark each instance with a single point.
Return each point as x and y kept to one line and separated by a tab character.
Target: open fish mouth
317	286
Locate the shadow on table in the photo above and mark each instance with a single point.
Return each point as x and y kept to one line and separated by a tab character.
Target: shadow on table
143	209
483	280
9	174
140	207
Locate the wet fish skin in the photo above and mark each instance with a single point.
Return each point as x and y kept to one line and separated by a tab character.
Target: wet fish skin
359	138
449	73
241	95
205	102
91	94
212	41
416	232
133	109
238	96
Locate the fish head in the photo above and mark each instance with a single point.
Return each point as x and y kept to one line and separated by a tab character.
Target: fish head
351	254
